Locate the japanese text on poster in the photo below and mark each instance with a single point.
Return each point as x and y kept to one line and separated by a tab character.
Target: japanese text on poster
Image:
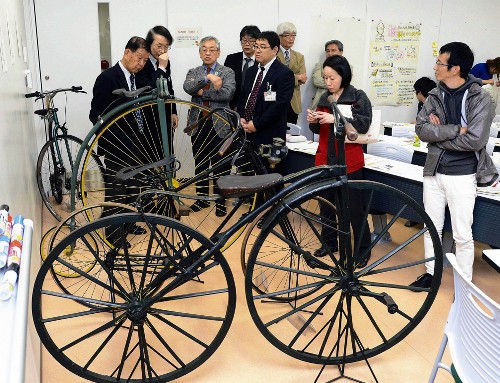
394	50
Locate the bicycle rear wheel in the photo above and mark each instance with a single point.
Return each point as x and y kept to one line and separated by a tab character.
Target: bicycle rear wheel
161	311
342	311
188	175
54	178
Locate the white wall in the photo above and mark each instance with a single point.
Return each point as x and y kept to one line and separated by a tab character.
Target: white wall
18	150
77	51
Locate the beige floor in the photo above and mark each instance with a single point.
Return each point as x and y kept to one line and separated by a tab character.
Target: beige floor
246	356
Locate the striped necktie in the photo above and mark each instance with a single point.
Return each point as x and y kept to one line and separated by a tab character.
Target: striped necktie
137	113
248	114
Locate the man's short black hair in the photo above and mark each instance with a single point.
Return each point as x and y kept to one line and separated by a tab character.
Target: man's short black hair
461	55
340	65
250	30
158	30
424	85
272	38
135	43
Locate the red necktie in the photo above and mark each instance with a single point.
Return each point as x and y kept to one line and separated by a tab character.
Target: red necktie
248	114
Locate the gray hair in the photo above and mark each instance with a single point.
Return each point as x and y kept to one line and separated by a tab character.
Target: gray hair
286	27
335	42
208	38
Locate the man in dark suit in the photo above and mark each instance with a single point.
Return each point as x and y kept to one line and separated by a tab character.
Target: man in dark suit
267	118
240	62
118	142
158	43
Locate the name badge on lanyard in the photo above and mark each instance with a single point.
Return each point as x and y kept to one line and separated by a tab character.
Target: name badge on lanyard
269	95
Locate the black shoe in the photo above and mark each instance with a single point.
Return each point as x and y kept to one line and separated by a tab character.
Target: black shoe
424	281
199	205
119	244
135	229
363	262
322	251
220	210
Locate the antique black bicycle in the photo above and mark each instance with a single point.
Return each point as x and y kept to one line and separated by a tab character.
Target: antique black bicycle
158	309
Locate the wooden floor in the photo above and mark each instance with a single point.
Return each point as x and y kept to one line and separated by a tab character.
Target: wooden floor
246	356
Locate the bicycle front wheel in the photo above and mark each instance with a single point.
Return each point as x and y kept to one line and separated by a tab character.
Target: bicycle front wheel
54	170
160	312
340	308
134	138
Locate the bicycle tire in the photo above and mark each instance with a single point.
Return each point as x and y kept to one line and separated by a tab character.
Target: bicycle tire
355	313
166	320
148	149
57	197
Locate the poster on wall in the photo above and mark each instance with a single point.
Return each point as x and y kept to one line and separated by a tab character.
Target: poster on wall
187	37
394	50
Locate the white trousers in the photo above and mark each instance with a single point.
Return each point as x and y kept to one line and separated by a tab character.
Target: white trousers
459	193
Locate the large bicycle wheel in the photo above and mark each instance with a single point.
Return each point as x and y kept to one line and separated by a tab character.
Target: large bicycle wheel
340	312
193	173
163	310
293	227
54	177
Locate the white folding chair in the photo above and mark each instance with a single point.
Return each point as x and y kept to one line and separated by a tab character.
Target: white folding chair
391	150
472	333
293	129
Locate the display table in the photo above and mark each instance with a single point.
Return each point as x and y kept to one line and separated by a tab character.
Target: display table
13	317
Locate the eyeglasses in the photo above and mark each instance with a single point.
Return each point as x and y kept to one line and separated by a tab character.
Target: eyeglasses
439	63
209	50
261	47
162	46
247	41
286	35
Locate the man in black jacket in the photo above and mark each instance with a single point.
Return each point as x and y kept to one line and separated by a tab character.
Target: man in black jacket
240	62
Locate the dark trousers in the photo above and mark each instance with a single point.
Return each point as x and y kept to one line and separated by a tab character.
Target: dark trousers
356	212
206	144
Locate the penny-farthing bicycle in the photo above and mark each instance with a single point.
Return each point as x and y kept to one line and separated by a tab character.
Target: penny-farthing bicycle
171	301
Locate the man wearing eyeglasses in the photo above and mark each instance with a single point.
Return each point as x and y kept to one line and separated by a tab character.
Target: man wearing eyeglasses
211	85
295	61
266	93
455	122
332	48
239	62
159	41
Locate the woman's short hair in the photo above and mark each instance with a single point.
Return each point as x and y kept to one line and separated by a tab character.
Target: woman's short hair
340	65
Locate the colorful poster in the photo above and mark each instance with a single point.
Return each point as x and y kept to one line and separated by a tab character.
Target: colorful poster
394	50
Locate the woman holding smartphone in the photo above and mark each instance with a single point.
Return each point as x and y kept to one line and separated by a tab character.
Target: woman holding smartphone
337	74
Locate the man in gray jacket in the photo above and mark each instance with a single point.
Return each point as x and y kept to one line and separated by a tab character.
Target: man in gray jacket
211	85
455	121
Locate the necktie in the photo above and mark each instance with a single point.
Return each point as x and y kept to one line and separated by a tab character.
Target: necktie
244	71
248	114
287	58
137	113
207	86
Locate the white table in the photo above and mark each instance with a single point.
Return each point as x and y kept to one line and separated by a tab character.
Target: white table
492	257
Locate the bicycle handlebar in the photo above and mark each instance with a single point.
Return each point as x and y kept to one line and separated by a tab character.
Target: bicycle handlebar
52	93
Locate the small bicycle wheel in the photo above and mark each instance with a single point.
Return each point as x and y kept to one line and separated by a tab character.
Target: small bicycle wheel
342	310
72	222
193	171
165	307
53	173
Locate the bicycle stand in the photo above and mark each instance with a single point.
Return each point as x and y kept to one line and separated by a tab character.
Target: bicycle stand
341	367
